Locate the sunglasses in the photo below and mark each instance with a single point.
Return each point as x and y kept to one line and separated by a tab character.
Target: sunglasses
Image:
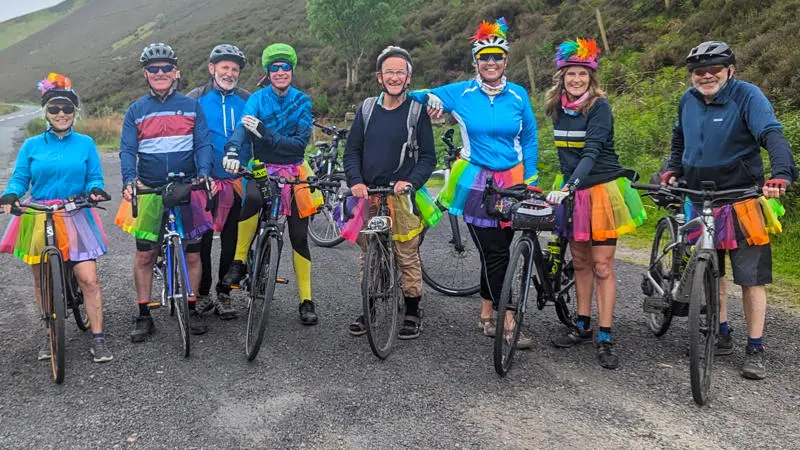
286	67
702	71
54	109
496	57
166	68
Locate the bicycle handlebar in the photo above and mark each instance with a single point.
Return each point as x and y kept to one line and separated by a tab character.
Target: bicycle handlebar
174	178
312	182
381	191
341	133
70	204
709	193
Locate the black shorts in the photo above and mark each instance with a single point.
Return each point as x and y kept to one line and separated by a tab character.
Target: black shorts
751	264
189	245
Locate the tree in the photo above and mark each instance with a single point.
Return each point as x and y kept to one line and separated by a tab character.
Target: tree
353	27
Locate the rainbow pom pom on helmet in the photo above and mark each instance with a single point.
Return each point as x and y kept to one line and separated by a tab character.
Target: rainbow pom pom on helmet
57	87
490	38
580	52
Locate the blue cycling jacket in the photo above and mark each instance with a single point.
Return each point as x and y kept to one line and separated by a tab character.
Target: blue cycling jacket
498	132
56	169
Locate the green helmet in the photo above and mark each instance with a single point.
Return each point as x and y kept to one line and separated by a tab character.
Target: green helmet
275	52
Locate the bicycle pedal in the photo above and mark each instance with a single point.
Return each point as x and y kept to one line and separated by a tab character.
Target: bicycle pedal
655	305
282	280
154	305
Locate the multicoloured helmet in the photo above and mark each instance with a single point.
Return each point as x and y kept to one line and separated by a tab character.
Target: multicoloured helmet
580	52
228	52
490	36
57	87
710	53
278	52
158	52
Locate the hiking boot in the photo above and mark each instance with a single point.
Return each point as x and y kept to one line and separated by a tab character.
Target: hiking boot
724	344
142	326
572	337
204	303
753	368
411	327
606	355
224	307
197	323
235	274
307	314
100	352
44	352
356	328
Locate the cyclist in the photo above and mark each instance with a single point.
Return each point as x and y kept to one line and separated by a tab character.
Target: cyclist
377	154
722	125
605	205
163	132
222	102
499	133
52	178
278	118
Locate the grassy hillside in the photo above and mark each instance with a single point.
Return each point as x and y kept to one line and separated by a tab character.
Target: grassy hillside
17	29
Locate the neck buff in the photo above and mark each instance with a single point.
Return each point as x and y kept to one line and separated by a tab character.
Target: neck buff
572	107
492	90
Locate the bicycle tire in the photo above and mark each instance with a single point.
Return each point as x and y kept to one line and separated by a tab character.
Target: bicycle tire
448	268
513	297
566	297
323	229
703	326
380	294
54	307
180	296
76	301
666	234
264	278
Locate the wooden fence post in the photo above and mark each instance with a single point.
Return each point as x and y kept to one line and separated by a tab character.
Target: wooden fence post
606	48
530	73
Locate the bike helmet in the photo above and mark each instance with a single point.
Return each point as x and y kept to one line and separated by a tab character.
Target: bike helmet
278	52
57	87
392	51
580	52
710	53
490	36
158	52
228	52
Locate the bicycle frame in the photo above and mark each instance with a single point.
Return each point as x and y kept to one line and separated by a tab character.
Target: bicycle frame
167	250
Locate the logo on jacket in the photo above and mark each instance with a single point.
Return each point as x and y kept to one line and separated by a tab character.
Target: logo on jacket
179	112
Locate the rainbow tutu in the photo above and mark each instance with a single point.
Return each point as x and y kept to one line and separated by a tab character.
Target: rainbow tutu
307	202
192	220
757	219
79	234
405	224
228	189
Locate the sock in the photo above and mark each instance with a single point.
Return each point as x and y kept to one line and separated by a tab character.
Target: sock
99	336
756	343
192	303
412	306
604	335
584	322
724	330
247	230
144	308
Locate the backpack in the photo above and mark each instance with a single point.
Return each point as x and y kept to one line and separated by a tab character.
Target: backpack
412	144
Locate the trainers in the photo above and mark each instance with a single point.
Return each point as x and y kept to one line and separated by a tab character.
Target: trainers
523	342
142	326
204	303
357	327
100	352
197	323
44	352
488	326
307	314
753	368
572	337
411	327
724	344
235	274
606	355
224	307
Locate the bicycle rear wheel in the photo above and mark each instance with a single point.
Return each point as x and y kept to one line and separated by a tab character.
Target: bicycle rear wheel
262	289
76	301
54	309
513	299
450	262
661	271
323	229
380	293
703	326
180	295
566	298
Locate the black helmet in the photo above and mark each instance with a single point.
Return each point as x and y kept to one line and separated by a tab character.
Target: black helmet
158	52
391	51
228	52
710	53
61	94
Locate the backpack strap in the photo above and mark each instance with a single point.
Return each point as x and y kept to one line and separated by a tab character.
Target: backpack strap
411	146
366	111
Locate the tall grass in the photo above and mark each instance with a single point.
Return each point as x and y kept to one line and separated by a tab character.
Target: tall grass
7	109
104	130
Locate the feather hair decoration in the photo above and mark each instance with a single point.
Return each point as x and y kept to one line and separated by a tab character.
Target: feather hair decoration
486	30
584	49
54	81
45	85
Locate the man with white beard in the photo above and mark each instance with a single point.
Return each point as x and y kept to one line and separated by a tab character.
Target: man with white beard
222	102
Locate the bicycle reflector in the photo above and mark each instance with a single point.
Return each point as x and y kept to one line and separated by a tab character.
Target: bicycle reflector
533	214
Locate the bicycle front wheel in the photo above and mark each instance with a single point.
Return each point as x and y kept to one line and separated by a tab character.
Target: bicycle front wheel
262	289
450	261
566	297
661	268
511	308
380	293
76	302
703	326
54	309
180	295
323	229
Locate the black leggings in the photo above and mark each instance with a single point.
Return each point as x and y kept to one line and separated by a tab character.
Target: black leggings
227	240
493	247
298	228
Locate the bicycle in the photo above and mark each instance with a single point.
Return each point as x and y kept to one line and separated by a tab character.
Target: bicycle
323	228
554	275
170	266
450	261
263	257
381	293
59	286
680	272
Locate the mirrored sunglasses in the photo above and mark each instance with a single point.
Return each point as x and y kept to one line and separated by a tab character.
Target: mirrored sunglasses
496	57
286	67
166	68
